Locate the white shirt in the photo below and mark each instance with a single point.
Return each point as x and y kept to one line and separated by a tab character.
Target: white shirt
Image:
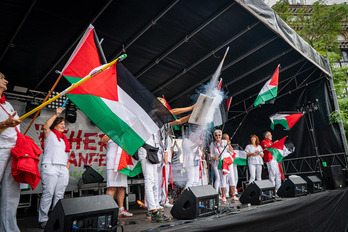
216	149
8	137
190	153
54	151
254	159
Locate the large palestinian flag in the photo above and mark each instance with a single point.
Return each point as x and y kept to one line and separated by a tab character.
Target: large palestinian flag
221	112
269	90
114	100
281	149
286	120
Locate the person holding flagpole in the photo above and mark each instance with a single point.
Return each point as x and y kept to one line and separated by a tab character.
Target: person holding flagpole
274	172
9	188
255	155
165	152
55	164
219	149
154	151
115	181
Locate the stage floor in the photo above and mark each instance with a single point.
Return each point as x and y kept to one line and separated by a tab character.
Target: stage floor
324	211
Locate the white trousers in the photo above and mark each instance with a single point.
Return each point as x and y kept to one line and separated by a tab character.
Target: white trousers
162	194
192	176
230	179
9	193
217	179
55	179
254	170
274	173
235	172
151	184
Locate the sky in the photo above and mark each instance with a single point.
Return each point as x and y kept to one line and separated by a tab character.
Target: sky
307	2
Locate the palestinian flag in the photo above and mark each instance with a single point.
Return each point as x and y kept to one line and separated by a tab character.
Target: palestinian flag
114	100
126	164
224	163
221	112
281	149
286	120
269	90
87	56
241	156
120	106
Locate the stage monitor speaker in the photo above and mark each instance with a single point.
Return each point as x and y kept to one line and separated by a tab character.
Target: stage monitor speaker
258	192
293	187
91	176
196	201
94	213
333	177
314	184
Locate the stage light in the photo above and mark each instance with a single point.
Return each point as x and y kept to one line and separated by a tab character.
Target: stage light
70	112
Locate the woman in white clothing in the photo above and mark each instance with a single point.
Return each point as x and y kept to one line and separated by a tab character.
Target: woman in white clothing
192	151
9	188
55	165
255	155
219	150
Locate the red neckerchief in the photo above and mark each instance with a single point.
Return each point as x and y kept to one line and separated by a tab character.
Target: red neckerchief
61	135
2	100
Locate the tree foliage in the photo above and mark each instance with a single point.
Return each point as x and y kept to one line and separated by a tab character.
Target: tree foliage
320	25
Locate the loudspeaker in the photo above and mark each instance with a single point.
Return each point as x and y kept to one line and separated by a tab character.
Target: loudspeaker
314	184
333	177
91	176
196	201
293	187
258	192
94	213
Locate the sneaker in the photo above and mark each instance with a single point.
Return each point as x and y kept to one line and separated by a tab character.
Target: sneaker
167	205
122	212
159	217
148	215
224	199
235	198
42	225
160	208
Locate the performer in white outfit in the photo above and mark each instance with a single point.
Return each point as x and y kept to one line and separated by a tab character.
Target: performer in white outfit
231	180
9	188
116	181
272	164
255	155
55	165
219	150
165	152
165	159
192	152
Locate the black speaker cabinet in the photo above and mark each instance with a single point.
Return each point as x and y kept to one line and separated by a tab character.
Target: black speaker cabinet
333	177
91	176
94	213
195	202
314	184
293	187
258	192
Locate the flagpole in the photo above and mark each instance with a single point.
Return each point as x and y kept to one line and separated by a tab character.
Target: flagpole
73	86
47	96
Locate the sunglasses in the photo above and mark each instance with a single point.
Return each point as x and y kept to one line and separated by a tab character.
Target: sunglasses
217	135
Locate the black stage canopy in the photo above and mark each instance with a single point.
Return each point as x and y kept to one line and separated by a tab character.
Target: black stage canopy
173	48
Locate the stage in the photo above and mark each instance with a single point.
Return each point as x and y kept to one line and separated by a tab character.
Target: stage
324	211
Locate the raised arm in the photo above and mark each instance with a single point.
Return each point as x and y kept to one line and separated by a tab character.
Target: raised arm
49	122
